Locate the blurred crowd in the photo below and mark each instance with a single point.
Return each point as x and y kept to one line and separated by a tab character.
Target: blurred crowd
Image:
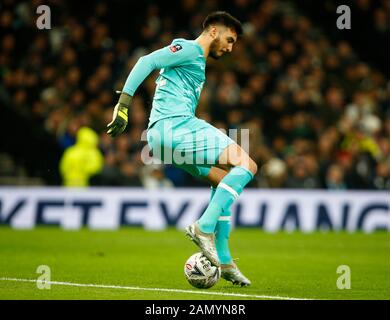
318	115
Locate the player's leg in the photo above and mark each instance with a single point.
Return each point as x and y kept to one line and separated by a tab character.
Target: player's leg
204	142
231	157
215	176
177	137
242	169
230	271
222	229
218	214
234	156
209	243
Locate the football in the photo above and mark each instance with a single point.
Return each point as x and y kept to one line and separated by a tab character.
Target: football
200	273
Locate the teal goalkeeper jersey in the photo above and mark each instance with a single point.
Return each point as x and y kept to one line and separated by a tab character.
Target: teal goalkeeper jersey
180	82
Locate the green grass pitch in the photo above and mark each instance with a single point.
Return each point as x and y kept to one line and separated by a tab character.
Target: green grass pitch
291	265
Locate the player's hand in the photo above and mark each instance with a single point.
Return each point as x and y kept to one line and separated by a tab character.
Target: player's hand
120	116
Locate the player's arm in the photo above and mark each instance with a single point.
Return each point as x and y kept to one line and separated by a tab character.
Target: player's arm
170	56
173	55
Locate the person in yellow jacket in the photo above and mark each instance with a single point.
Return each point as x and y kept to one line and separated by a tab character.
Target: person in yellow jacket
82	160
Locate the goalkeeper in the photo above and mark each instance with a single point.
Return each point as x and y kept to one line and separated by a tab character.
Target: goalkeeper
174	131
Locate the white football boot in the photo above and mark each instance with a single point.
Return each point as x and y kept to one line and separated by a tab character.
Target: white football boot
230	272
205	242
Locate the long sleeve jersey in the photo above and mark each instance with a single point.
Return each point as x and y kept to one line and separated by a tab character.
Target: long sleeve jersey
179	83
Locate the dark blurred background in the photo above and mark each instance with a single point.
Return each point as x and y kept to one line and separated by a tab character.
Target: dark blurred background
315	98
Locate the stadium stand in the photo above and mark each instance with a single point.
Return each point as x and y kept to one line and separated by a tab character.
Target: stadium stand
317	104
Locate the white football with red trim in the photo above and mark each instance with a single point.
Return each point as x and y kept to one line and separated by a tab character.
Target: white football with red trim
200	273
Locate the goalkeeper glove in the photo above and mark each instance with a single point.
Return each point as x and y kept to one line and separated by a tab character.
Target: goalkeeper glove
120	115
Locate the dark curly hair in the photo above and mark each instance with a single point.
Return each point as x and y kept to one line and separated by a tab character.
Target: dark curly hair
224	18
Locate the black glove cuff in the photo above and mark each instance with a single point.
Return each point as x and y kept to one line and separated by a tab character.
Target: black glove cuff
125	99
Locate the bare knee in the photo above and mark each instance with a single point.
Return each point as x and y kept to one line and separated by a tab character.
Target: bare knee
252	166
234	156
247	163
215	176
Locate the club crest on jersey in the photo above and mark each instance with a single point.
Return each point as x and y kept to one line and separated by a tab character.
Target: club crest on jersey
175	48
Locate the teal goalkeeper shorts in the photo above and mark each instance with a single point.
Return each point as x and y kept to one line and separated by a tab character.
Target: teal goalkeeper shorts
188	143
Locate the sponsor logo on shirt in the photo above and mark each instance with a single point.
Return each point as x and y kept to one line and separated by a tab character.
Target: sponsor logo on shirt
175	48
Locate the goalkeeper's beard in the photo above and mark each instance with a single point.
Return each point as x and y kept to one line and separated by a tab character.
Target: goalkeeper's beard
214	48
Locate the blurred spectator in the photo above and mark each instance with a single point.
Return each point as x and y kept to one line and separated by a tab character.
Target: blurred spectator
318	113
335	178
130	176
273	174
82	160
109	175
153	177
